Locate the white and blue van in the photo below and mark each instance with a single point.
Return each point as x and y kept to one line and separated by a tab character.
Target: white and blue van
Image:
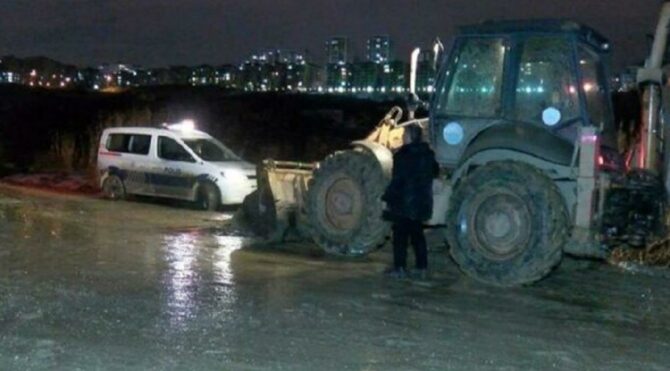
176	161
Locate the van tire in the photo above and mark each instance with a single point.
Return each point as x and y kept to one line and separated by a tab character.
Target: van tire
113	188
208	197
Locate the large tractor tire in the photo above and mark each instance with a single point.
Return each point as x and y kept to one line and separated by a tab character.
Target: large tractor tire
343	206
507	224
261	214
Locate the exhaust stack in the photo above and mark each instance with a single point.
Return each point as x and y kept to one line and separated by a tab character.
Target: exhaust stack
414	99
650	149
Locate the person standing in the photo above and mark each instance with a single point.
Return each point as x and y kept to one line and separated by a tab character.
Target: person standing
409	201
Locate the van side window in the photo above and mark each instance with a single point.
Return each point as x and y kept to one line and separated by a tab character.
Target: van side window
129	143
169	149
140	144
118	142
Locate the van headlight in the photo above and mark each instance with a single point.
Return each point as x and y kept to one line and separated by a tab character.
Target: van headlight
233	174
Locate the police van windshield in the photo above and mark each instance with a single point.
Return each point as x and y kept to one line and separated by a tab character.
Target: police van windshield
210	150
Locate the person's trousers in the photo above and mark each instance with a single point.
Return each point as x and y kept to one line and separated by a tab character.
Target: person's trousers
404	231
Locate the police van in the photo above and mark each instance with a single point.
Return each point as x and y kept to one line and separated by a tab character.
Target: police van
175	161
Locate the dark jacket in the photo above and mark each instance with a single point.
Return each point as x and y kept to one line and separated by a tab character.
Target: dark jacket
410	194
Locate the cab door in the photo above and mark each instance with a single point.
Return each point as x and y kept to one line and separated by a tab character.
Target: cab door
469	96
175	171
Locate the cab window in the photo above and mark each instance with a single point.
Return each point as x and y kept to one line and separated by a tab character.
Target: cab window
169	149
476	84
594	90
546	90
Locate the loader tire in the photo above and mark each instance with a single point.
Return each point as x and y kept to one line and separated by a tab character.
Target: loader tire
507	224
259	214
343	207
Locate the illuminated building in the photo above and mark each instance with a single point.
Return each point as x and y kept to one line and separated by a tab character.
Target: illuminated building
338	70
278	70
426	73
379	49
337	49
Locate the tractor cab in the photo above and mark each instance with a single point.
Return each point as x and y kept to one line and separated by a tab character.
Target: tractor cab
526	86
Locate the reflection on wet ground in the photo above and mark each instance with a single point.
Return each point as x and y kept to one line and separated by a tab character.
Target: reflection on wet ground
90	284
183	279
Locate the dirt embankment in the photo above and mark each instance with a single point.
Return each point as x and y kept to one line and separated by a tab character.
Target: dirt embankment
58	130
64	182
54	133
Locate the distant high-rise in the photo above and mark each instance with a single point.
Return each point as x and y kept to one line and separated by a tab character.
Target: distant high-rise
278	70
379	49
337	50
272	56
426	72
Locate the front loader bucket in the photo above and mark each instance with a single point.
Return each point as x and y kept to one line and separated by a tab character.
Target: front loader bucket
274	209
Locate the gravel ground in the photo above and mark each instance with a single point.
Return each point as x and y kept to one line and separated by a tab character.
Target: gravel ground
91	284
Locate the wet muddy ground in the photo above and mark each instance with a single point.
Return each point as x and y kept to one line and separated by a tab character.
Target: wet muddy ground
92	284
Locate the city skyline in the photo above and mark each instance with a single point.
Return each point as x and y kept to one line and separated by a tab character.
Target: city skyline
153	33
279	70
364	55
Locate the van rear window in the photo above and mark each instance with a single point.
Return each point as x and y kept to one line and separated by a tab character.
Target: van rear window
129	143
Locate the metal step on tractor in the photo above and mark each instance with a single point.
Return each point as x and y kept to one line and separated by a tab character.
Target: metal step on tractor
521	123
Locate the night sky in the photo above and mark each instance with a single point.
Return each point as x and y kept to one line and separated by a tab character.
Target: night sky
168	32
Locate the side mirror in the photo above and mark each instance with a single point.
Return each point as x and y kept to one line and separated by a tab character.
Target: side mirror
438	49
413	102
